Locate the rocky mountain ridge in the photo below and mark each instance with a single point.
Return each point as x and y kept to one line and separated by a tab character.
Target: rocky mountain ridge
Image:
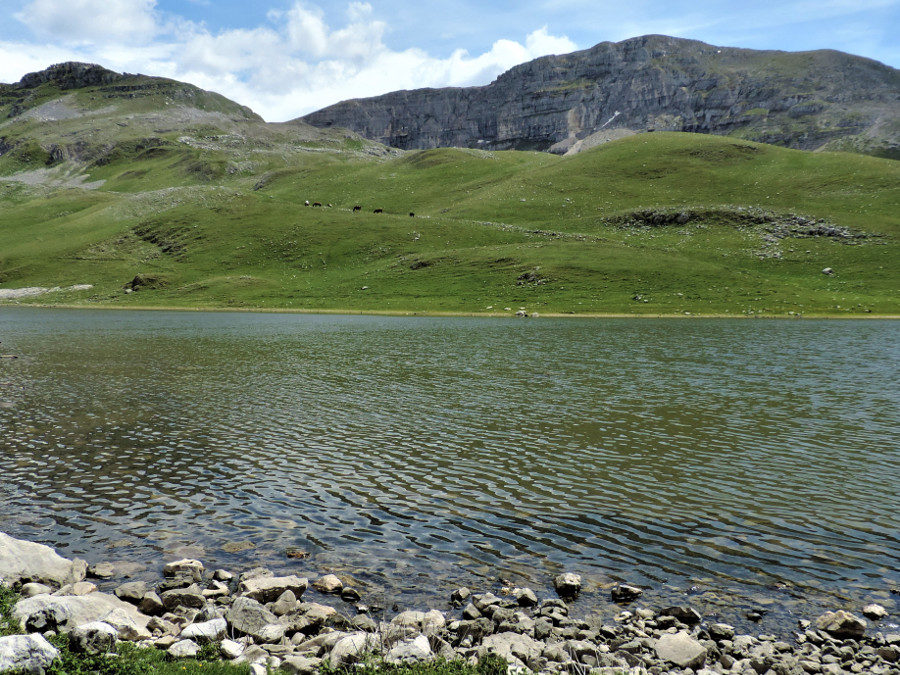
809	100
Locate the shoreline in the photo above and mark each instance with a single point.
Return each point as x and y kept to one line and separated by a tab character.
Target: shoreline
450	314
256	620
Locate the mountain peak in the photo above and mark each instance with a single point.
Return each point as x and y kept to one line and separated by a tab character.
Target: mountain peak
71	75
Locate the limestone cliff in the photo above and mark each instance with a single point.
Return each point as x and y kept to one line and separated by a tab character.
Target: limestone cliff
809	100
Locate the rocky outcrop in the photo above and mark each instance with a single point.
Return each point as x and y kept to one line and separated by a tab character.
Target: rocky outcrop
24	561
801	100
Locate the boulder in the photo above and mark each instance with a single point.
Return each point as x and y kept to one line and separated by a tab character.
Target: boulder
248	617
24	561
681	650
192	567
26	653
206	631
191	596
231	649
268	589
351	648
518	650
152	604
625	593
76	610
328	584
568	585
874	612
842	624
96	637
184	649
286	603
416	650
301	665
525	597
101	571
411	623
127	626
132	592
33	589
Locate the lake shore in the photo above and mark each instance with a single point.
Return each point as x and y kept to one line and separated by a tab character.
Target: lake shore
257	620
448	314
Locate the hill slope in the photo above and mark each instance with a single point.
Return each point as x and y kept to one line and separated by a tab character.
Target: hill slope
808	100
181	198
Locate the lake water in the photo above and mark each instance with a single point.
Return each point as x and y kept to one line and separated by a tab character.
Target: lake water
742	463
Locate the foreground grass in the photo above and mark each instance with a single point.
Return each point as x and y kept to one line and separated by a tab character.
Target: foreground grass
492	232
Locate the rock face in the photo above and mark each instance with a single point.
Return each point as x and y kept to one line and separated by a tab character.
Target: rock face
28	561
26	653
801	100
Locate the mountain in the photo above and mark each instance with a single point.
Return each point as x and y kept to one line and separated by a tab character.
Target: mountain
808	100
88	116
134	191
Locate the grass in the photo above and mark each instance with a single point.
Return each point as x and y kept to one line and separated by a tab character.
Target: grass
223	238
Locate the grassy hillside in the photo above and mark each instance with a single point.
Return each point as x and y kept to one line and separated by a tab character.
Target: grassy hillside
650	224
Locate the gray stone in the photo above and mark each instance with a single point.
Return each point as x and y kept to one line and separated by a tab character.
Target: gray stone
26	653
33	589
133	592
410	623
24	561
77	610
286	603
151	604
364	623
625	593
101	571
268	589
231	649
188	566
272	632
97	637
351	648
255	572
518	650
416	650
720	631
248	617
191	596
206	631
301	665
681	649
126	622
184	649
567	585
525	597
685	614
329	583
875	612
841	624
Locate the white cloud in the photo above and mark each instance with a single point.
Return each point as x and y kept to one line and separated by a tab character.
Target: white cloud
90	20
295	64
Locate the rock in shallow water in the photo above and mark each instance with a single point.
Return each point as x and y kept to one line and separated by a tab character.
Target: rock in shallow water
841	624
568	585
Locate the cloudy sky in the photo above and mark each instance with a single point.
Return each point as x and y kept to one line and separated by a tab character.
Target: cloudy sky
285	58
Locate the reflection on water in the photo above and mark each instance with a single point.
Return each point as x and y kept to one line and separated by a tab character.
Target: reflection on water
734	456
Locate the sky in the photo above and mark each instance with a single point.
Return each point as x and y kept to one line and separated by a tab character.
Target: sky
285	58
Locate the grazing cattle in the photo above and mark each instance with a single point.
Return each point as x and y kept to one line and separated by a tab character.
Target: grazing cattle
319	204
378	211
412	215
357	208
306	203
328	206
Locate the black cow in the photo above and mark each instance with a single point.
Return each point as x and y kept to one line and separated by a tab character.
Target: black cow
378	211
357	208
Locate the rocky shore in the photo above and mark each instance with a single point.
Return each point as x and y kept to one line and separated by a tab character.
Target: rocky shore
259	619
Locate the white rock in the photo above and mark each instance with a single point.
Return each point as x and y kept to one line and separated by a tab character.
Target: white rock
208	631
875	612
518	650
31	590
681	649
195	567
301	665
124	621
26	653
410	651
27	561
267	589
96	637
567	585
352	648
184	649
328	584
78	609
231	649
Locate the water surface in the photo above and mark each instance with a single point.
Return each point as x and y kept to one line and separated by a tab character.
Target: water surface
740	461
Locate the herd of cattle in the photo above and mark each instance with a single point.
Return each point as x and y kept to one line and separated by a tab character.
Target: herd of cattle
355	208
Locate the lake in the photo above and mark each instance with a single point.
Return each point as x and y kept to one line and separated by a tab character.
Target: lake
739	463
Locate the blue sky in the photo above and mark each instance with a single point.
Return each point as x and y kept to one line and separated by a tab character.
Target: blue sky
284	58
